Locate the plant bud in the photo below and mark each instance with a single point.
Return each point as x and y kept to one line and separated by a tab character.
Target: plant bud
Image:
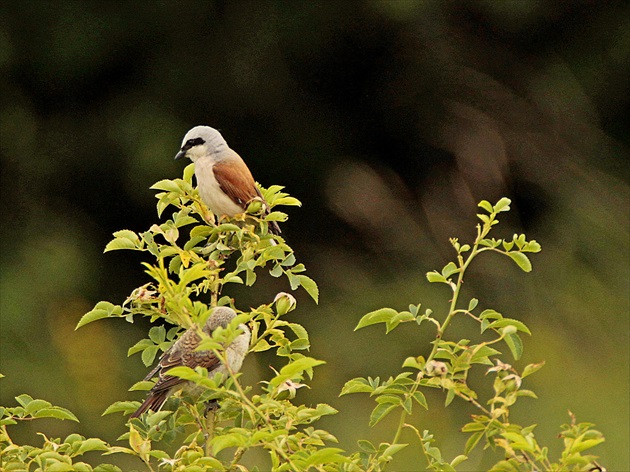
285	302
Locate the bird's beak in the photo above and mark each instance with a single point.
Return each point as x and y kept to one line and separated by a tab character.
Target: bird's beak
180	154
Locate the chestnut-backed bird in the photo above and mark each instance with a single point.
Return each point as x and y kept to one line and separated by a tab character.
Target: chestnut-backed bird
183	353
225	182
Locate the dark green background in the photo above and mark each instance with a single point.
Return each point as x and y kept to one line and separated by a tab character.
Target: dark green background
389	120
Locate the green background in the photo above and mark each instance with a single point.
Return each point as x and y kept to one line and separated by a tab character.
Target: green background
389	120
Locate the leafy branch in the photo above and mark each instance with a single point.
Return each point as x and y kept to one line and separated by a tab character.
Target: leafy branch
449	364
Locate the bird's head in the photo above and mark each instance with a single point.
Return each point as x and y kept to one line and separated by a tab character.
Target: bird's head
221	316
201	141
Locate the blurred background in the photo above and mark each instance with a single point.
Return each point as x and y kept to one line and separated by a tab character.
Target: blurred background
389	120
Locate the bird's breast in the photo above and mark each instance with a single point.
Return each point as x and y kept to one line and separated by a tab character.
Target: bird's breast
210	191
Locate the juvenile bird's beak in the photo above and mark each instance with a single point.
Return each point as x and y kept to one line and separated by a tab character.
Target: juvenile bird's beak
180	154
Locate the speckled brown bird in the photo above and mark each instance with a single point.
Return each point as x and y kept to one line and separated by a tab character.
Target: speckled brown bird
183	353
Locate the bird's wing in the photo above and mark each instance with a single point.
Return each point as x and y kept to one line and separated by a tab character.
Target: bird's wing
236	181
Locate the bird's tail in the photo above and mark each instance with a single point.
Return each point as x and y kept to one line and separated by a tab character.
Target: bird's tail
153	402
274	228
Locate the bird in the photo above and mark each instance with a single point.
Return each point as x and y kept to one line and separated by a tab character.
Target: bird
225	183
183	353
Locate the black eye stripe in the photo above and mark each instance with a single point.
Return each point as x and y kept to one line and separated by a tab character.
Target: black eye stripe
192	142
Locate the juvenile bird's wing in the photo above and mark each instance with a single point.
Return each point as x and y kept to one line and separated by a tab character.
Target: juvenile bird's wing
182	353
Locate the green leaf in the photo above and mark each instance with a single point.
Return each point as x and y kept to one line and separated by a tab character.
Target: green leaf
101	310
450	395
167	185
392	449
276	216
434	277
124	407
458	460
531	368
36	405
486	206
508	245
515	344
580	444
519	325
389	399
366	446
195	272
124	239
227	440
531	246
413	363
474	426
189	171
522	260
484	218
157	334
288	201
142	386
380	412
327	455
518	441
106	468
473	440
92	444
502	205
148	355
399	318
383	315
486	316
483	352
117	244
420	399
56	412
506	466
473	304
449	269
294	369
356	385
310	286
276	271
24	399
139	346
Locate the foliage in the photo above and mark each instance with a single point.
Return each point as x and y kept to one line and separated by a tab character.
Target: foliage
450	363
195	260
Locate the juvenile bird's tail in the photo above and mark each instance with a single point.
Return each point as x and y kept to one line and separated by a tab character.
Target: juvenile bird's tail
153	402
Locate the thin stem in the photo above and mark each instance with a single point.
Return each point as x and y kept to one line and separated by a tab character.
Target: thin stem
401	424
210	416
481	233
474	402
